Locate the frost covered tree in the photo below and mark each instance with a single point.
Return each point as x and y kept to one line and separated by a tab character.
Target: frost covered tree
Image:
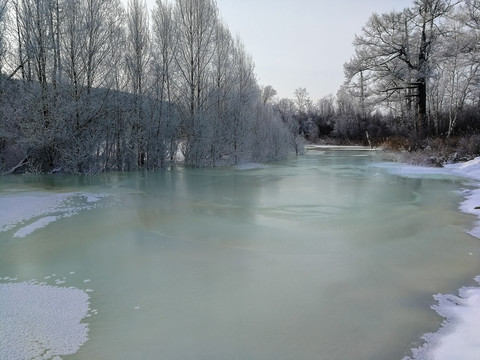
166	117
3	27
98	89
137	61
196	22
268	94
221	93
394	54
288	111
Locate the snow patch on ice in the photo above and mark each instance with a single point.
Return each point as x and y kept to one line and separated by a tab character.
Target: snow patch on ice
91	198
32	211
27	230
18	208
40	321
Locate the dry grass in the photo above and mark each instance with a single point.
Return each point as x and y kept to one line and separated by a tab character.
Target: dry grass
433	151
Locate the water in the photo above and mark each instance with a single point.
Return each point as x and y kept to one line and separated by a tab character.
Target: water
328	256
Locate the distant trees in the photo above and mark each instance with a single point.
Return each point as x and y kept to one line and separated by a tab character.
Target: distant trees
95	87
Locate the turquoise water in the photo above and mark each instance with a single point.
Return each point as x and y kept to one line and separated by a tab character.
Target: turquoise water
327	256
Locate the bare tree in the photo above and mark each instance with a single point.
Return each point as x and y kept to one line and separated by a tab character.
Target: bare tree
221	94
302	100
165	71
268	94
395	52
137	62
196	21
3	22
98	93
246	95
287	110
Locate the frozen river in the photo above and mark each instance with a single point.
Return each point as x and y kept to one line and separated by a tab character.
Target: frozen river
334	255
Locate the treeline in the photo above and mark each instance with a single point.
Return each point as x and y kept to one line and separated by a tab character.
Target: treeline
414	77
88	86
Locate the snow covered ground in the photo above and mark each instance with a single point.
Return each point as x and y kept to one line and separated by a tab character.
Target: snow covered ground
459	337
340	147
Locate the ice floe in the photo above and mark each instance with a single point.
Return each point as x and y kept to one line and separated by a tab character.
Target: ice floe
41	322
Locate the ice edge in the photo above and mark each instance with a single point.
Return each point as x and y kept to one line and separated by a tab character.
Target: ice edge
459	336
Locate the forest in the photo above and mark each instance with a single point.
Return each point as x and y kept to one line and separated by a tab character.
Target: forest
88	86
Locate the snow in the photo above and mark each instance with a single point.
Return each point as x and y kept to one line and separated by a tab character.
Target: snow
340	147
459	337
40	321
27	230
18	208
28	212
412	171
469	169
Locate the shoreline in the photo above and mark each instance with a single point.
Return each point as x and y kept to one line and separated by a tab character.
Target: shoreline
459	336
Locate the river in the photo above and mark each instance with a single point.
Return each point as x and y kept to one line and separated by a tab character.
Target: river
331	255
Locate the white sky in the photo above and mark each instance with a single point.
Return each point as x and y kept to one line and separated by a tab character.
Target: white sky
301	43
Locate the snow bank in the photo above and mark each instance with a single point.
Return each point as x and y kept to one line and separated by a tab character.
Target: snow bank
459	337
469	169
340	147
41	322
28	212
412	171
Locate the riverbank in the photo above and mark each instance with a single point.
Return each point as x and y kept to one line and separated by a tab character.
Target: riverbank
459	336
436	152
432	152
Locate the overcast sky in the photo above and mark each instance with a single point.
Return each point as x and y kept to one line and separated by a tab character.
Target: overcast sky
301	43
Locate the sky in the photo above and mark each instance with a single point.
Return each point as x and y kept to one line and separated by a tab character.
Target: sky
301	43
